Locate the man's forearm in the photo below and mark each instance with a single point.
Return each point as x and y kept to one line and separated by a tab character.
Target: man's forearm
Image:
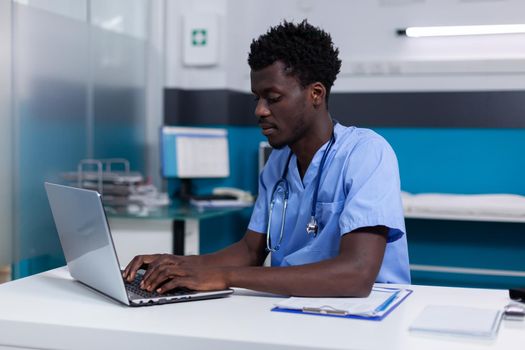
351	273
237	254
334	277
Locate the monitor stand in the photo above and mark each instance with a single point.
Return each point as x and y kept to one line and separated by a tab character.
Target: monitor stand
186	194
185	191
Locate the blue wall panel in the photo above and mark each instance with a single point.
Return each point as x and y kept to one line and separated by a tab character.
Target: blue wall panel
459	160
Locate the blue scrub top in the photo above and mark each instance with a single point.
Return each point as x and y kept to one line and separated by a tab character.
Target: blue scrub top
359	187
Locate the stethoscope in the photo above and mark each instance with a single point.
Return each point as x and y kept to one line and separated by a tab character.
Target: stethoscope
282	187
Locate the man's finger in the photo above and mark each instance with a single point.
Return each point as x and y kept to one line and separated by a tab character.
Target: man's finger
152	269
130	269
162	260
136	264
158	275
175	282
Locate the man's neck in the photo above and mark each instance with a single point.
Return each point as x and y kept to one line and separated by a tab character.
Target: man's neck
306	148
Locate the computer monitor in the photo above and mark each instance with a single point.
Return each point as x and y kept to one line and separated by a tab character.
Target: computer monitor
194	153
264	153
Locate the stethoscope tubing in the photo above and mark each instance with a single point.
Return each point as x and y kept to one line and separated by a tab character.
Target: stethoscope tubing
283	213
311	227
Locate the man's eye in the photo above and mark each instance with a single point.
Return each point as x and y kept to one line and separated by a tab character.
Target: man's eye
273	99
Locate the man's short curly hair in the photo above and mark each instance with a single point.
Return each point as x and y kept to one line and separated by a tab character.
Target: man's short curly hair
307	52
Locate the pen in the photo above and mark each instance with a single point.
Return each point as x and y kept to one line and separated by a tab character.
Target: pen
387	303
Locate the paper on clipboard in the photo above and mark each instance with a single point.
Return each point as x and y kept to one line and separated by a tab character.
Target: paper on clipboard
379	303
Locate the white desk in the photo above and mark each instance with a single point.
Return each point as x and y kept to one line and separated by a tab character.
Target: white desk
50	310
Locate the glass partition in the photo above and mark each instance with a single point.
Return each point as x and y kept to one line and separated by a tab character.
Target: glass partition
118	44
50	57
78	92
6	149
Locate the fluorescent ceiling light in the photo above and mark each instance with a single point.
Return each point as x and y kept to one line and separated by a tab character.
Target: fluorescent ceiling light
419	32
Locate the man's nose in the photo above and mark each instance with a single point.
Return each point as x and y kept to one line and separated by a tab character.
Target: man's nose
261	109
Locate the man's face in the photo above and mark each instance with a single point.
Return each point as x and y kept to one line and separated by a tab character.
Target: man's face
282	105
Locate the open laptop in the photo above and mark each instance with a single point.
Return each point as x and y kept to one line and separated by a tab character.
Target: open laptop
90	254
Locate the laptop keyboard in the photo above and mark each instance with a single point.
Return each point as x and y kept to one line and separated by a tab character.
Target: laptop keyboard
134	287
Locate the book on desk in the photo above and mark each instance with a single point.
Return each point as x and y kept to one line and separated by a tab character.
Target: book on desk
458	320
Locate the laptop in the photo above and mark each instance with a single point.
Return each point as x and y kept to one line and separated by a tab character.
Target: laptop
90	254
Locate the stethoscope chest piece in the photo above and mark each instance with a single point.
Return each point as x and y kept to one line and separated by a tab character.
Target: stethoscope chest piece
312	227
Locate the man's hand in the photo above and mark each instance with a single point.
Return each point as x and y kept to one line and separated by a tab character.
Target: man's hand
165	272
149	262
165	277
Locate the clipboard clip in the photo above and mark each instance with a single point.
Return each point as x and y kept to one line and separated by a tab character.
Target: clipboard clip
327	310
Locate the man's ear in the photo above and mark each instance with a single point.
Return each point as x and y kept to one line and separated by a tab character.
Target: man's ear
318	94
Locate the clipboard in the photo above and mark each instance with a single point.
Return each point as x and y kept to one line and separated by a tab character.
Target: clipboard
385	309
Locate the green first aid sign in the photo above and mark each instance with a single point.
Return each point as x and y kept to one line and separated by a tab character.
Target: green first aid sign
199	37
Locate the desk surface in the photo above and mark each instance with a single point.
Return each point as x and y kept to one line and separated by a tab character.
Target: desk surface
50	310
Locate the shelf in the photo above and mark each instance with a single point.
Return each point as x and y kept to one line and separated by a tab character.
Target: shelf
463	217
477	207
176	211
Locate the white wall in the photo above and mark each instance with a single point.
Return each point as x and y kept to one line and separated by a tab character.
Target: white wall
374	57
189	77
